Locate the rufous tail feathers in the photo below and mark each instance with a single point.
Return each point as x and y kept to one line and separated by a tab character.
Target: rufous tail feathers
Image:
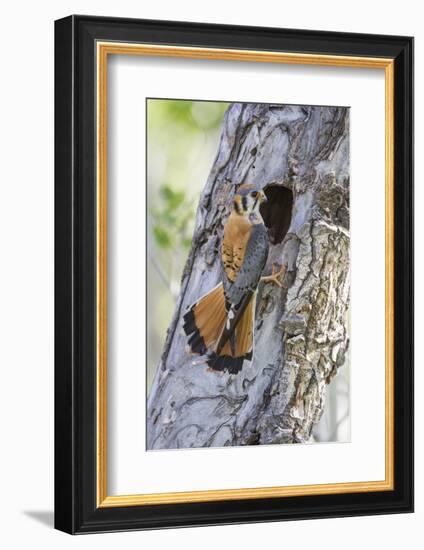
205	323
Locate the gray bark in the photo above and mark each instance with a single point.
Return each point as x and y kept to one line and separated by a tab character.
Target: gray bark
301	333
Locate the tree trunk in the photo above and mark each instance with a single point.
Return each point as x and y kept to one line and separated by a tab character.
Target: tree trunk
300	156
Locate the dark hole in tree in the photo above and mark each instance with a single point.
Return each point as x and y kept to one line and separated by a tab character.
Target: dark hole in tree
277	212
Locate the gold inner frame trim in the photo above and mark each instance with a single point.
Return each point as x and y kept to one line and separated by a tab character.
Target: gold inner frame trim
103	50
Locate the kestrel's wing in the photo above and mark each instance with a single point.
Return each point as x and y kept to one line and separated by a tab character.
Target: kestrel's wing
238	294
251	267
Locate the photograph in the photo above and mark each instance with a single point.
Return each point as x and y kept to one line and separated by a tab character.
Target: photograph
248	274
233	261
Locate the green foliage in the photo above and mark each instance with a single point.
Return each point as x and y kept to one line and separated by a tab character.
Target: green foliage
178	131
172	219
173	198
186	115
162	237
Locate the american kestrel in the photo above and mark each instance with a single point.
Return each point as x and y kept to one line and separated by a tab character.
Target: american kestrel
220	323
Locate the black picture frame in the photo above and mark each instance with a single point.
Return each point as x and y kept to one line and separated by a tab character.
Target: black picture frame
76	510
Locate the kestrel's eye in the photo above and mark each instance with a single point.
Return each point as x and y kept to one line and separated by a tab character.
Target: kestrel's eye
254	194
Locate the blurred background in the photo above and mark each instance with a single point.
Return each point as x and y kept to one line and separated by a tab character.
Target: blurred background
182	142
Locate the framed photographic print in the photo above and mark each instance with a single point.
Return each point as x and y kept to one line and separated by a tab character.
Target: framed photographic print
234	268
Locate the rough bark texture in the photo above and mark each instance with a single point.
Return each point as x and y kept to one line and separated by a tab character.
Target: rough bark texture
300	330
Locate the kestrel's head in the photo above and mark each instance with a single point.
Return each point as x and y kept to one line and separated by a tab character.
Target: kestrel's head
248	199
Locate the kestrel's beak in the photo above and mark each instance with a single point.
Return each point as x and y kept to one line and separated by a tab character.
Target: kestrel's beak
264	198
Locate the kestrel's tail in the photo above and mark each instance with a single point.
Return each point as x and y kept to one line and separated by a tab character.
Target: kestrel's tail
205	323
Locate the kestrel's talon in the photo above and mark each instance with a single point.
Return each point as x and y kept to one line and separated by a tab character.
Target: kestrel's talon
274	277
